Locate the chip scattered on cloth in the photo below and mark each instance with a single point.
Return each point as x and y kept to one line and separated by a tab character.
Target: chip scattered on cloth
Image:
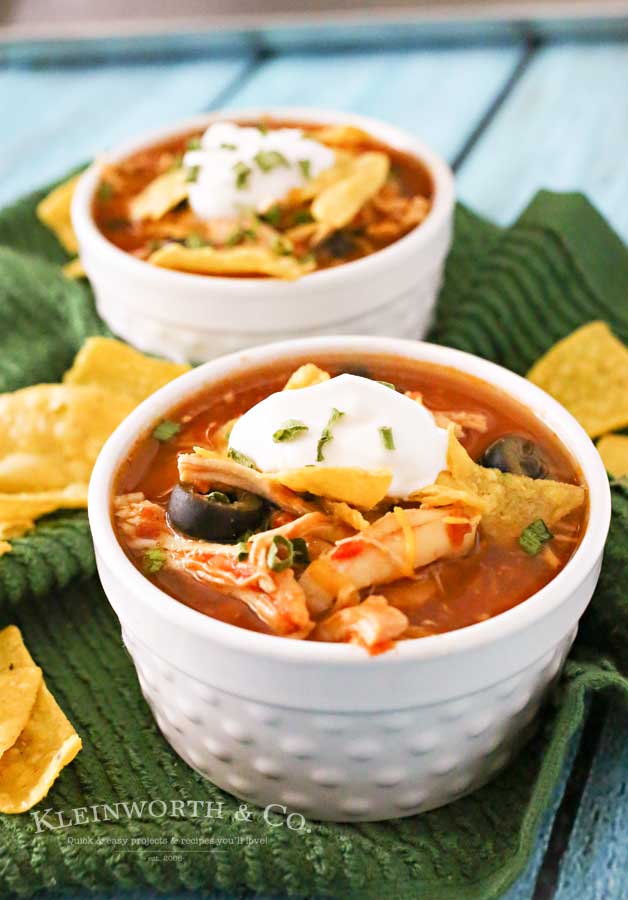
588	373
509	503
613	448
107	363
51	434
36	738
357	487
253	260
54	212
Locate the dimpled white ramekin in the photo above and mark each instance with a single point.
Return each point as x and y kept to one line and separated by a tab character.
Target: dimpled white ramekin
198	317
322	728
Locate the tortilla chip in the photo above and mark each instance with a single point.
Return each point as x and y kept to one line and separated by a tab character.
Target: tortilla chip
51	434
230	261
306	376
54	212
29	768
19	511
613	448
358	487
74	269
5	547
341	136
509	503
18	690
13	652
338	204
342	512
160	196
312	188
588	373
107	363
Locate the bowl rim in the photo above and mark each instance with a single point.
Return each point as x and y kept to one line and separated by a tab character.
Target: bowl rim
518	618
389	257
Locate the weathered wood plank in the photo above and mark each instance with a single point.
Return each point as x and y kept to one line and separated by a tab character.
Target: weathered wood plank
55	118
595	864
565	127
439	94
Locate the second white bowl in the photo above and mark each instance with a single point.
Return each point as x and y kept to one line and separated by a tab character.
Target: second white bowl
197	317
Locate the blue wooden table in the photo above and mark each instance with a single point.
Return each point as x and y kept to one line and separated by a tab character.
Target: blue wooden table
515	109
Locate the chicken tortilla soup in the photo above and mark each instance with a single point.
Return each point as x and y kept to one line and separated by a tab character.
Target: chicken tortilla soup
365	504
261	199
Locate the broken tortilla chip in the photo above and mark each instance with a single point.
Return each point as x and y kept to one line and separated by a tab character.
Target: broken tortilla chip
19	511
358	487
230	261
588	373
342	136
509	503
5	547
46	745
160	196
51	434
18	690
54	212
338	204
107	363
613	448
306	376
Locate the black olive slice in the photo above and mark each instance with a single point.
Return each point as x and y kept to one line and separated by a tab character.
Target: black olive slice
517	455
217	516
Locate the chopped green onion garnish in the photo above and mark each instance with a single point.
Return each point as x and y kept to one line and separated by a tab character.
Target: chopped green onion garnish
193	173
105	191
194	144
242	551
217	497
303	217
388	384
228	147
166	430
267	160
176	163
277	562
116	224
272	215
534	537
289	431
153	560
241	458
263	129
301	552
243	173
326	435
194	241
306	166
387	437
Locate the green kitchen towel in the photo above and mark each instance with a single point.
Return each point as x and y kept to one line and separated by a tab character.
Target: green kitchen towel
508	295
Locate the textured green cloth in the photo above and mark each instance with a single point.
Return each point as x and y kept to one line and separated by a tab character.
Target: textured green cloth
509	294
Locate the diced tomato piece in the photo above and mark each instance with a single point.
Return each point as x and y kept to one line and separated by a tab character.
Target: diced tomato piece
457	531
348	550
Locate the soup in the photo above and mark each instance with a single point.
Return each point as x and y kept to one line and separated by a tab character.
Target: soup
267	199
364	503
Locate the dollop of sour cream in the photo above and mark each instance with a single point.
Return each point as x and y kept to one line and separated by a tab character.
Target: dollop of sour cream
238	168
380	428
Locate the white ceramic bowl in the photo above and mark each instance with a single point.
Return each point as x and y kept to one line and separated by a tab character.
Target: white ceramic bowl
198	317
323	728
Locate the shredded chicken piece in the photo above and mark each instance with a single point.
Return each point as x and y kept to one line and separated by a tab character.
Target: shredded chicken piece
372	624
203	473
378	555
460	419
275	597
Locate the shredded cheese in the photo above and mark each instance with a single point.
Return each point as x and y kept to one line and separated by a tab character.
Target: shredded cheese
409	539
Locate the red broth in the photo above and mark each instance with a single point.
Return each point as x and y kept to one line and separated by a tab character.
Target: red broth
490	580
376	226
